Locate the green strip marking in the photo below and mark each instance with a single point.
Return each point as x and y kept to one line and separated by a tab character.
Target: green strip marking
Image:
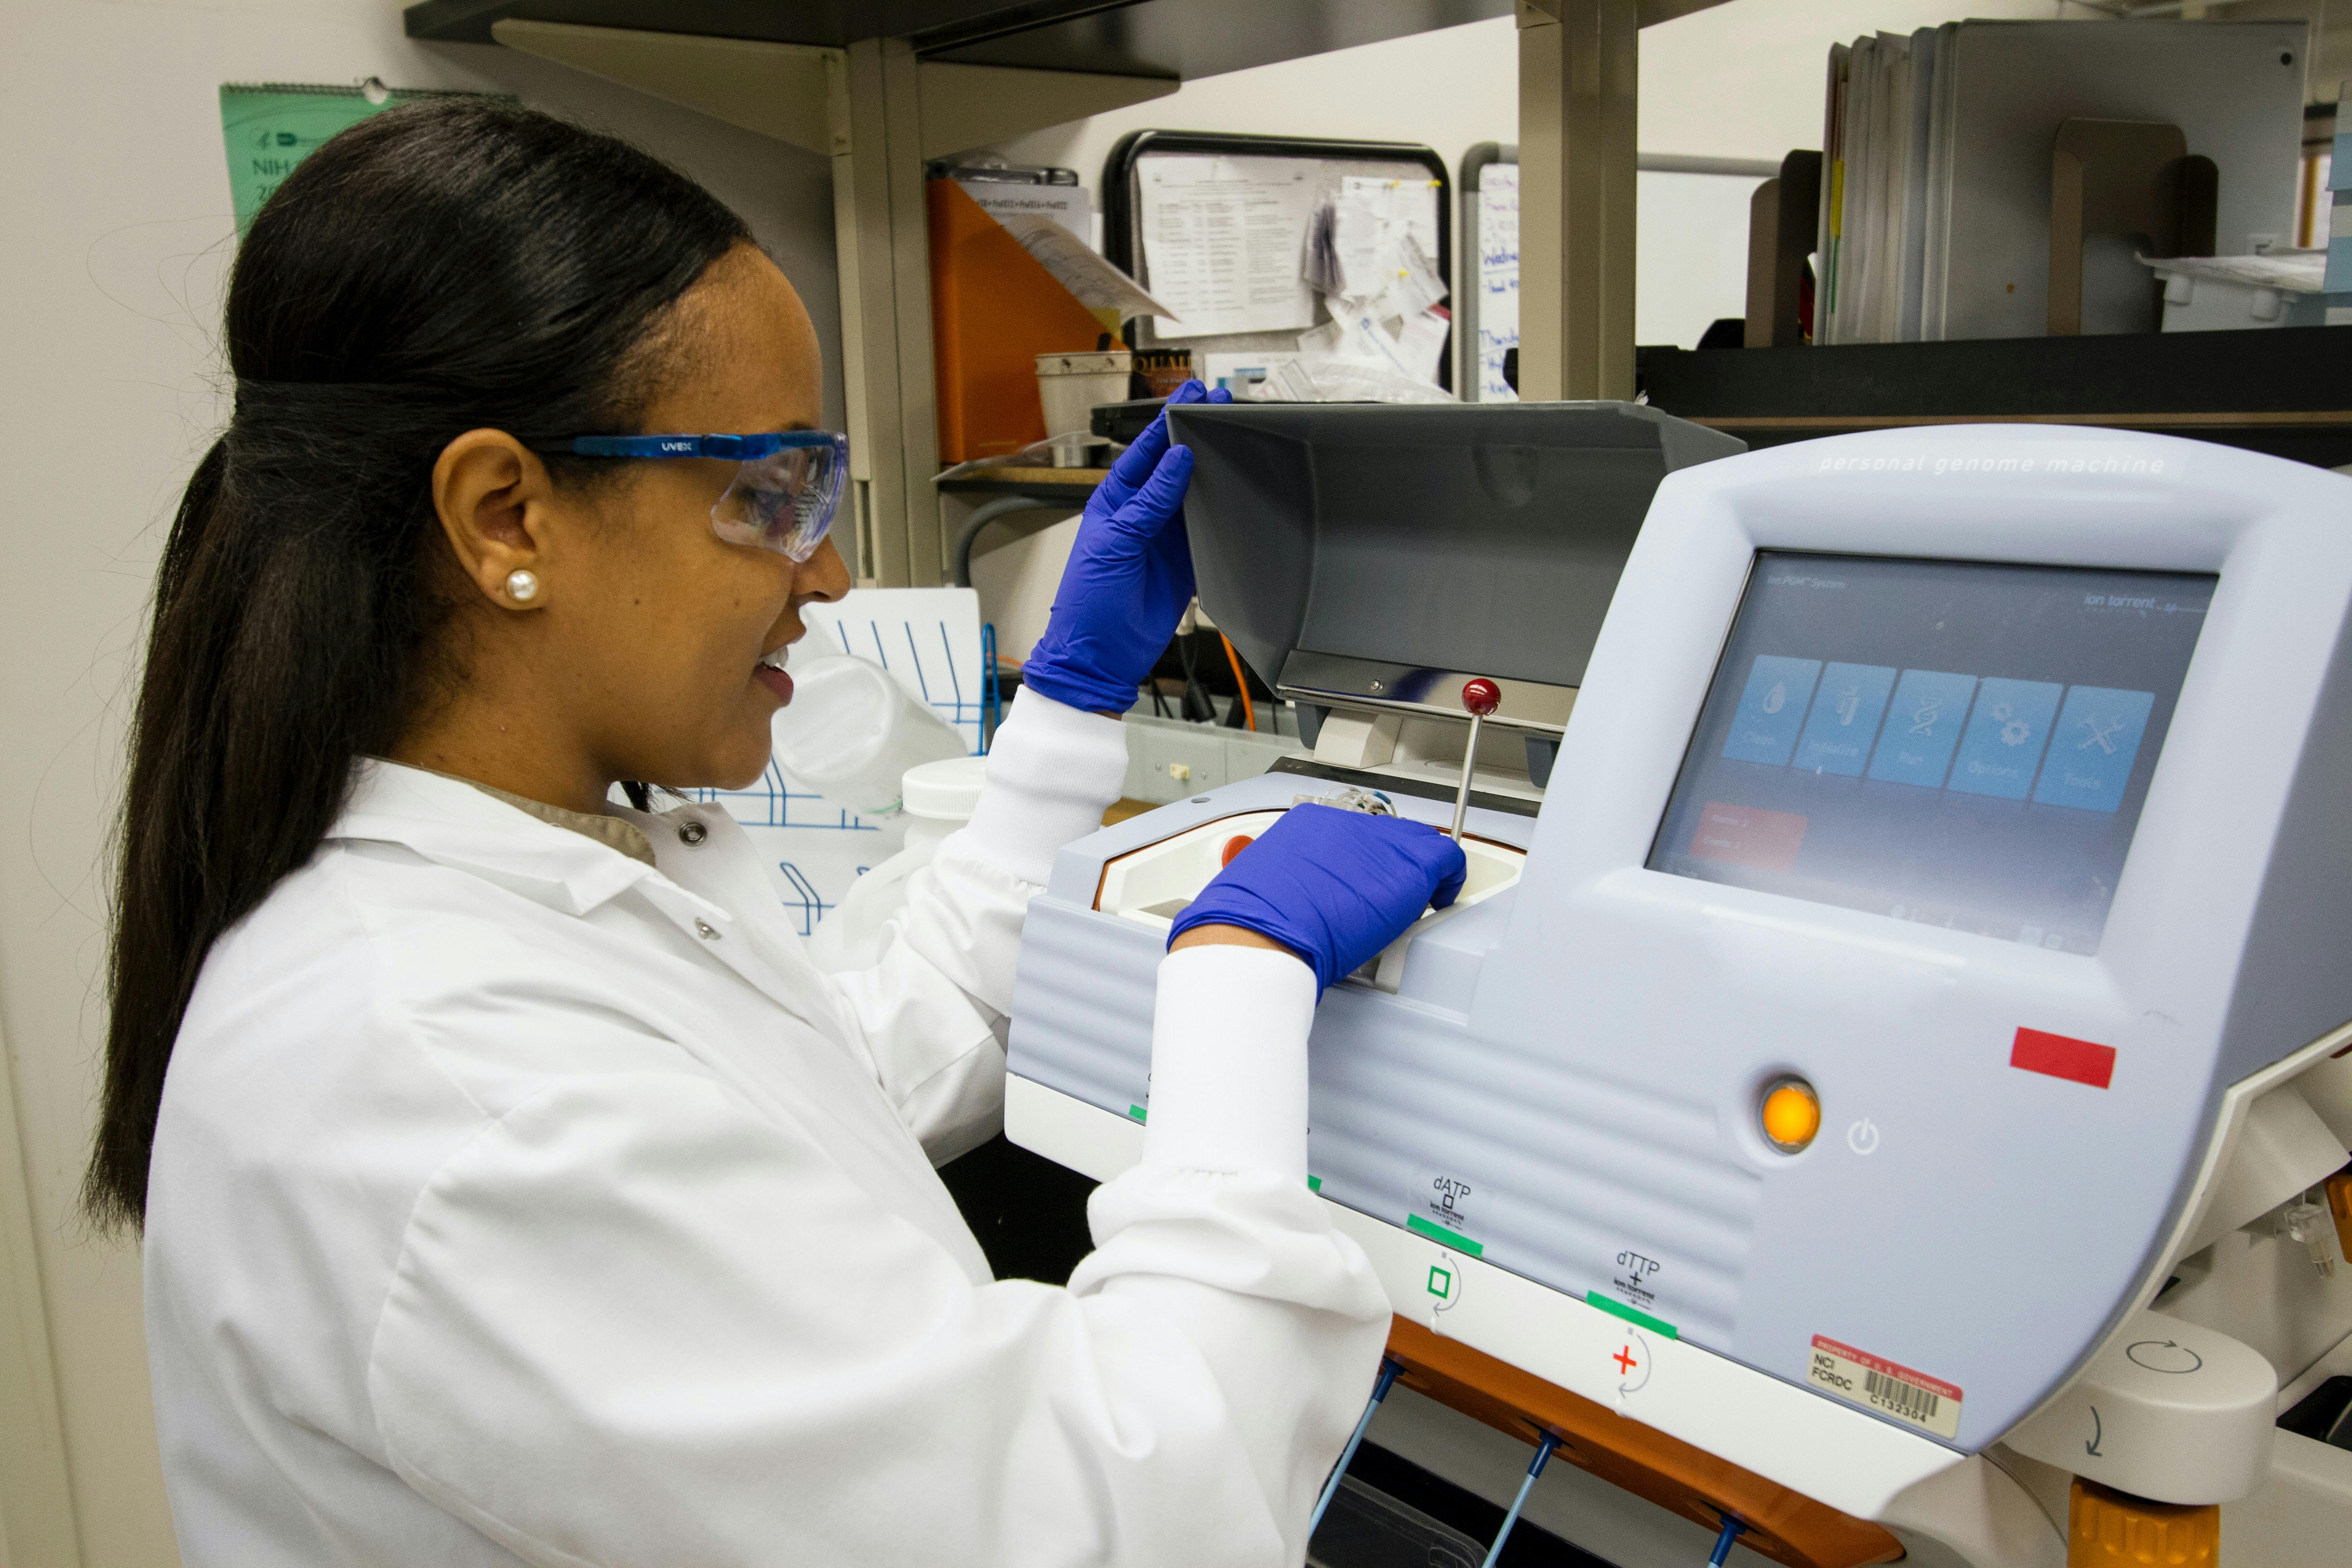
1633	1315
1314	1184
1443	1236
1136	1111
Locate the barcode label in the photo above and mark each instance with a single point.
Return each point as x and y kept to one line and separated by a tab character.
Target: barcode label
1907	1400
1875	1383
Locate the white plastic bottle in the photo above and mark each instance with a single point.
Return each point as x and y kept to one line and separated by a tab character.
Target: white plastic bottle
939	798
851	732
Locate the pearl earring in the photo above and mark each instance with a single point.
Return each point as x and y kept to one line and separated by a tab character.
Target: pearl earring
522	586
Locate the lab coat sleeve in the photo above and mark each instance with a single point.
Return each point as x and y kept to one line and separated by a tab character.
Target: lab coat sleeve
931	1011
636	1321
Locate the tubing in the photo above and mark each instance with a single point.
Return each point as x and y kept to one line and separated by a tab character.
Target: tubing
1535	1468
1241	681
1389	1371
986	513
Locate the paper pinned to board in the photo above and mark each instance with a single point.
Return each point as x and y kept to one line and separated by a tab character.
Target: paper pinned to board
1321	265
1092	282
1373	219
1325	340
1357	228
1364	353
1364	335
1421	342
1418	285
1223	239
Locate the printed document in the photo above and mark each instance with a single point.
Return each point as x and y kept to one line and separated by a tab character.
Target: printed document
1223	240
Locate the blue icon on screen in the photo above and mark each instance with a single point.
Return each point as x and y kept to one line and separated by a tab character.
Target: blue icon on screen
1764	726
2092	746
2004	738
1847	706
1923	725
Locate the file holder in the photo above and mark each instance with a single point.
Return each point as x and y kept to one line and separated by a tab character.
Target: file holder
2133	183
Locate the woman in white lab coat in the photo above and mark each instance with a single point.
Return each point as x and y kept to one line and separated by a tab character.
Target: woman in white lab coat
517	1189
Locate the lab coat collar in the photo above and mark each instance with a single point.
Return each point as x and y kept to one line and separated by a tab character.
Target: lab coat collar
451	823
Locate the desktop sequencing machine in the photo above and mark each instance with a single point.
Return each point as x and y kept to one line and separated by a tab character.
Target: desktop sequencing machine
1887	1081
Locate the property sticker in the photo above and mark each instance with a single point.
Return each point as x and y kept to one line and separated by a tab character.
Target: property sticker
1927	1403
1443	1204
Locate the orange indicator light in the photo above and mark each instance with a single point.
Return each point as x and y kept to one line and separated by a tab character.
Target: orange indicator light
1791	1115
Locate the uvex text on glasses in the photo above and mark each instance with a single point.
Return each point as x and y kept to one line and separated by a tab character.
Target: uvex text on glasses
783	496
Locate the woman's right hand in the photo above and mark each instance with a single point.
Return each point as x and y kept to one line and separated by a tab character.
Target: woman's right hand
1332	887
1128	579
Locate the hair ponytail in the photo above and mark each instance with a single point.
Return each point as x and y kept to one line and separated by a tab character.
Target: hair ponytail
442	267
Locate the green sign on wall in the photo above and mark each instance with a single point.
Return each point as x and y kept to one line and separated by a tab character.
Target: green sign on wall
270	127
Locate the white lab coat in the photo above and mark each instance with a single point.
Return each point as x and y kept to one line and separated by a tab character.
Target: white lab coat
513	1199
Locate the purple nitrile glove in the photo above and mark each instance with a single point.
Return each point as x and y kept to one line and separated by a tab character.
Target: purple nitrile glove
1334	887
1128	579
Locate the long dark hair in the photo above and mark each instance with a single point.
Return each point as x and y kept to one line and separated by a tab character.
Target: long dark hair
447	265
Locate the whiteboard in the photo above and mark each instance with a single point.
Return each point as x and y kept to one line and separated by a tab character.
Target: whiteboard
1690	263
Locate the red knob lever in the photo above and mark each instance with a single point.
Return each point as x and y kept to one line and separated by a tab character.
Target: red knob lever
1480	696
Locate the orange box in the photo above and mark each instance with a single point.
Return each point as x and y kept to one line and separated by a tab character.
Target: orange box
993	310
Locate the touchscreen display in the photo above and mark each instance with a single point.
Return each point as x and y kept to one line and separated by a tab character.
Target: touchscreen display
1956	743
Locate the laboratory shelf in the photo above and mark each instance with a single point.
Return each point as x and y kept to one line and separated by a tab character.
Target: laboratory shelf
1169	38
2286	391
1071	485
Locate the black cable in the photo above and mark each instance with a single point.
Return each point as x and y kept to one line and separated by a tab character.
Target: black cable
1197	706
984	514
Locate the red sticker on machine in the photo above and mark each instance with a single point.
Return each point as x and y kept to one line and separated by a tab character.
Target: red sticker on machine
2062	1056
1877	1384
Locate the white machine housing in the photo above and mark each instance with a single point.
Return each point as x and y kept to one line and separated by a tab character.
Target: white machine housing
1596	1038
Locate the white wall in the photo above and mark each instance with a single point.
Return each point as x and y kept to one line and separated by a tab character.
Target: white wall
1742	80
118	219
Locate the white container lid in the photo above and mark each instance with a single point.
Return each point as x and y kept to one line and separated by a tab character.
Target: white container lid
947	790
1100	361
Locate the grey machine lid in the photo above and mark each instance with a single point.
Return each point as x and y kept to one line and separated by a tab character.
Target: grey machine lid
1376	556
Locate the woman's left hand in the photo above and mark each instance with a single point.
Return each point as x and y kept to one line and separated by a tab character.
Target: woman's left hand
1332	887
1128	579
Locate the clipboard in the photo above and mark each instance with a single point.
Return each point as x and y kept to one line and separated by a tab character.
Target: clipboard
1324	161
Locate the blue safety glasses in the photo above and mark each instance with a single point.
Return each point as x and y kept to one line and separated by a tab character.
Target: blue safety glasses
785	491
